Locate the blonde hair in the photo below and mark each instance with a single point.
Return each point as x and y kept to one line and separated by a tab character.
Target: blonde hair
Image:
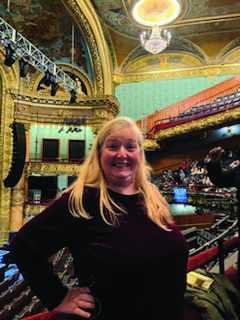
92	175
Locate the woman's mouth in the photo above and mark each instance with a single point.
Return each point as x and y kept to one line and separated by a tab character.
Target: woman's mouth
121	165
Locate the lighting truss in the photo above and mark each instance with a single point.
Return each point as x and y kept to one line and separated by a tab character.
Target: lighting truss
26	50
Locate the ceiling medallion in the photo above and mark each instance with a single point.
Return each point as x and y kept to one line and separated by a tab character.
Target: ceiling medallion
155	13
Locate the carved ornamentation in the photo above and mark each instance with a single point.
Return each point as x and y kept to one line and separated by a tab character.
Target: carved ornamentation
212	73
33	210
8	82
199	125
34	109
150	145
177	44
53	168
179	74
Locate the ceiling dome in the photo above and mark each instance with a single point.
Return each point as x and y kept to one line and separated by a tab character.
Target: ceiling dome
155	12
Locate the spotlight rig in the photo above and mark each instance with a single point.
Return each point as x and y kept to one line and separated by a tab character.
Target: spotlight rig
18	46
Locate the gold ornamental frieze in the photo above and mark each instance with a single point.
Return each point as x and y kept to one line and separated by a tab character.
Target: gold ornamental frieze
34	109
206	71
53	168
150	145
221	118
33	210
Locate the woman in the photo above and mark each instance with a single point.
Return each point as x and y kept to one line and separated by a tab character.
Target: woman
128	255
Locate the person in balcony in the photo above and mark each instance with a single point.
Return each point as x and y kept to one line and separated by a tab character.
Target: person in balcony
128	255
182	174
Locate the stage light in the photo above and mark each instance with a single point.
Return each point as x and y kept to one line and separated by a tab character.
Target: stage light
73	96
54	88
11	56
46	80
23	68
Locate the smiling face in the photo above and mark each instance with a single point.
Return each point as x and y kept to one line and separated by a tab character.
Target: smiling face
120	155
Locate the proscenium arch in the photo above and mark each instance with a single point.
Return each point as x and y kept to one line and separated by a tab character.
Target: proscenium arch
95	39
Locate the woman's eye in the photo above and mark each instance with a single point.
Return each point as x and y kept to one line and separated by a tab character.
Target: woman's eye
132	147
112	146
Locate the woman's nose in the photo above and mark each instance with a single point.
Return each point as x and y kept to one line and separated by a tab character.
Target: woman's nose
122	152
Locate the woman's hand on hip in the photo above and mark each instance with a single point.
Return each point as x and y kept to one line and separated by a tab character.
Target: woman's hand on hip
76	300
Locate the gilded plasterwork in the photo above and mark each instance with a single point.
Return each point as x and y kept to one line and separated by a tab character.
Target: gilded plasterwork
8	81
53	168
198	125
150	144
32	108
17	204
33	210
232	57
163	62
178	74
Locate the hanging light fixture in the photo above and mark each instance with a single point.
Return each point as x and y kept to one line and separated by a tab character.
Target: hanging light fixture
155	14
156	40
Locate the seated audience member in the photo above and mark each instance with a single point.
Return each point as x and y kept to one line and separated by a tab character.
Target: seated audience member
182	173
184	165
176	178
194	170
129	257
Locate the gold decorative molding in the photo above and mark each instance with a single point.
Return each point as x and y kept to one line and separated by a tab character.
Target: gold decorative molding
33	210
34	109
212	73
53	168
150	145
231	115
117	79
9	81
205	71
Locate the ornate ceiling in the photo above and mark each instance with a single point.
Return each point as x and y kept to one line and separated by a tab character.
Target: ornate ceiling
206	33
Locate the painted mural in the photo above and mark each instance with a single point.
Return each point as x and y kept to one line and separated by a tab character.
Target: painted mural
48	25
114	15
163	62
233	57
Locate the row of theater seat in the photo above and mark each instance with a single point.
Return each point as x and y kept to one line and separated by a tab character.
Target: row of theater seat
220	104
17	301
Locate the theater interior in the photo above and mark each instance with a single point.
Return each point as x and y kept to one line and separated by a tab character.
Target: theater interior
69	66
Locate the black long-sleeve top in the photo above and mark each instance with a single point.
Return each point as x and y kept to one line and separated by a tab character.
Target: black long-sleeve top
139	269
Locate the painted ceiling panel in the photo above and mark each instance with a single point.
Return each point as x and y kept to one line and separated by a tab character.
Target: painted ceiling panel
206	30
48	25
163	62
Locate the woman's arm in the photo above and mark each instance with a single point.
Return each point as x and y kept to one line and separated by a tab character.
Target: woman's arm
35	243
217	176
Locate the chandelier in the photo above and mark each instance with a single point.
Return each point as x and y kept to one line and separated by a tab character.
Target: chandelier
155	41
